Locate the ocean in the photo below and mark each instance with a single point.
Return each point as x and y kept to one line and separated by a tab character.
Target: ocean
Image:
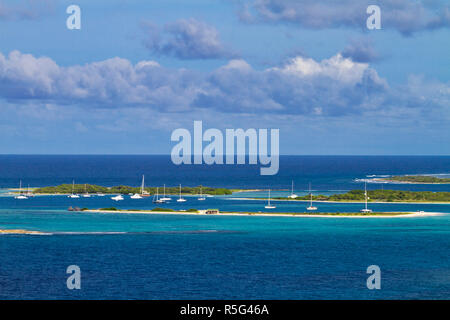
138	256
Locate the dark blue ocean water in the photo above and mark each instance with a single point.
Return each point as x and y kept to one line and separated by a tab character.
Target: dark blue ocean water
324	172
137	256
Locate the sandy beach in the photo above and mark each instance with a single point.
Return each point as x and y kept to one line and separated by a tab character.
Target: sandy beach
300	215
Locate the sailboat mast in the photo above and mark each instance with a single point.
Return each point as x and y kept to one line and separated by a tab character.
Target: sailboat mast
269	199
180	190
365	192
142	185
310	193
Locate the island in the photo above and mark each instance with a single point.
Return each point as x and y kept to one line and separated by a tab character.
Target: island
96	189
378	196
216	212
415	179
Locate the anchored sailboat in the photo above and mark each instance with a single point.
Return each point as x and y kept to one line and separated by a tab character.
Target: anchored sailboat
269	206
156	198
292	195
164	198
86	194
311	207
201	198
137	195
119	197
73	195
181	199
365	210
21	196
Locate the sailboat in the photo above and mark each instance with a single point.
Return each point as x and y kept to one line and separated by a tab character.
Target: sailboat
269	206
29	193
181	199
311	207
119	197
164	198
365	210
143	192
137	195
292	195
156	198
86	194
201	198
21	196
73	195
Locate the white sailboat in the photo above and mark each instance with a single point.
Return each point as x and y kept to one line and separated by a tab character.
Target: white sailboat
73	195
29	193
201	198
292	195
311	207
269	206
86	194
181	199
365	210
137	195
156	198
119	197
143	192
164	198
21	196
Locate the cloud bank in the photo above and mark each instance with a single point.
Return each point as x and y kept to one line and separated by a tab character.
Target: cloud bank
333	87
405	16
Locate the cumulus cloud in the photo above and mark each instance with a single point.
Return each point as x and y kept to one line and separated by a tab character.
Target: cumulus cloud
405	16
333	87
186	39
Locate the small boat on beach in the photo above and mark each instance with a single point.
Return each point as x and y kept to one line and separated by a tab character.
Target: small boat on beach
269	206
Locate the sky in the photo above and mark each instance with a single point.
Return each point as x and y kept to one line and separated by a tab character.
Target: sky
137	70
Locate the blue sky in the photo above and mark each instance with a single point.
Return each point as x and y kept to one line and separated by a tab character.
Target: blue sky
139	69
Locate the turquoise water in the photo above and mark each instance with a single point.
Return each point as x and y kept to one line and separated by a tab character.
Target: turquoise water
139	256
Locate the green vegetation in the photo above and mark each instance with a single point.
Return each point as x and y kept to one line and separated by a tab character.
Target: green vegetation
80	188
383	196
192	210
106	209
162	210
417	179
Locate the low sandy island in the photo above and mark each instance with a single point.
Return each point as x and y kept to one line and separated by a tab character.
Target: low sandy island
20	231
343	201
281	214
